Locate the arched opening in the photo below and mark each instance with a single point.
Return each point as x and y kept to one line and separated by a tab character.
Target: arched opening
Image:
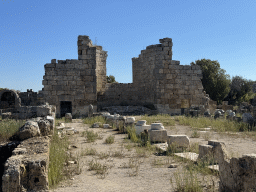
7	100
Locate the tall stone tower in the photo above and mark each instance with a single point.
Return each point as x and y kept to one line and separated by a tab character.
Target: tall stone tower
72	85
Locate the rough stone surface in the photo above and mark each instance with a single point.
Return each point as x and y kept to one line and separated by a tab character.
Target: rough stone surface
179	140
141	128
141	122
247	118
30	129
158	135
45	127
130	120
236	174
43	110
27	168
68	117
206	152
157	126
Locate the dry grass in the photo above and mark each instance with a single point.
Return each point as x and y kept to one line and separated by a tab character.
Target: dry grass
58	158
8	128
100	169
92	120
110	139
219	125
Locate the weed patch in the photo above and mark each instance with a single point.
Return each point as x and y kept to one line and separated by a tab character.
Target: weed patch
58	157
100	169
88	151
186	181
110	139
91	136
8	128
92	120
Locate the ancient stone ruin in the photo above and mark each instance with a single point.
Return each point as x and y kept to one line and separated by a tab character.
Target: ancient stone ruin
24	161
23	105
236	174
158	81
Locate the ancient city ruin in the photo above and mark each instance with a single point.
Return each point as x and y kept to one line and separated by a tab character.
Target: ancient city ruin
78	87
72	85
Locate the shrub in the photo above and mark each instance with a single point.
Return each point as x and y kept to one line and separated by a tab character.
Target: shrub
101	169
90	135
110	139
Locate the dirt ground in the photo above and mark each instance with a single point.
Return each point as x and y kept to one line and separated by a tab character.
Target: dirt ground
131	170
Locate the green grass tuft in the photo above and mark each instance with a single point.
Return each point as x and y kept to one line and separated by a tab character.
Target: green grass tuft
58	157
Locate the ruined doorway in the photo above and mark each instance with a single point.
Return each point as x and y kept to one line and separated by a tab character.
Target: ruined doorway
7	100
65	107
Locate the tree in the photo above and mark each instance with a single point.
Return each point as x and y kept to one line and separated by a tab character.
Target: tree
111	79
215	81
240	90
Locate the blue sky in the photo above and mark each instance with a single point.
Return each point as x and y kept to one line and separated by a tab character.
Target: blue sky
33	32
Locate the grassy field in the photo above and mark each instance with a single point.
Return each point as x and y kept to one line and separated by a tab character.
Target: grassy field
219	125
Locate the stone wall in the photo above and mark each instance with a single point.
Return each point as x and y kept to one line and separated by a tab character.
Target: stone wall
158	80
76	81
27	168
27	112
24	161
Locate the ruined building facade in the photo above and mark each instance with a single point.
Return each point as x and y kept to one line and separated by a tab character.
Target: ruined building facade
72	85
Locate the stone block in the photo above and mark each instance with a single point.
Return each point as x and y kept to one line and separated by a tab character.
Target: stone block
30	129
68	117
141	122
130	120
178	140
43	111
205	151
157	135
140	128
157	126
44	127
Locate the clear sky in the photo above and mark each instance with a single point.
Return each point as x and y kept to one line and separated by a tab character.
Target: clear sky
33	32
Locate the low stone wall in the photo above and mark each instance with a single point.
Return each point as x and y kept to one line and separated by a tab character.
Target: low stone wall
27	168
27	112
24	162
129	110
